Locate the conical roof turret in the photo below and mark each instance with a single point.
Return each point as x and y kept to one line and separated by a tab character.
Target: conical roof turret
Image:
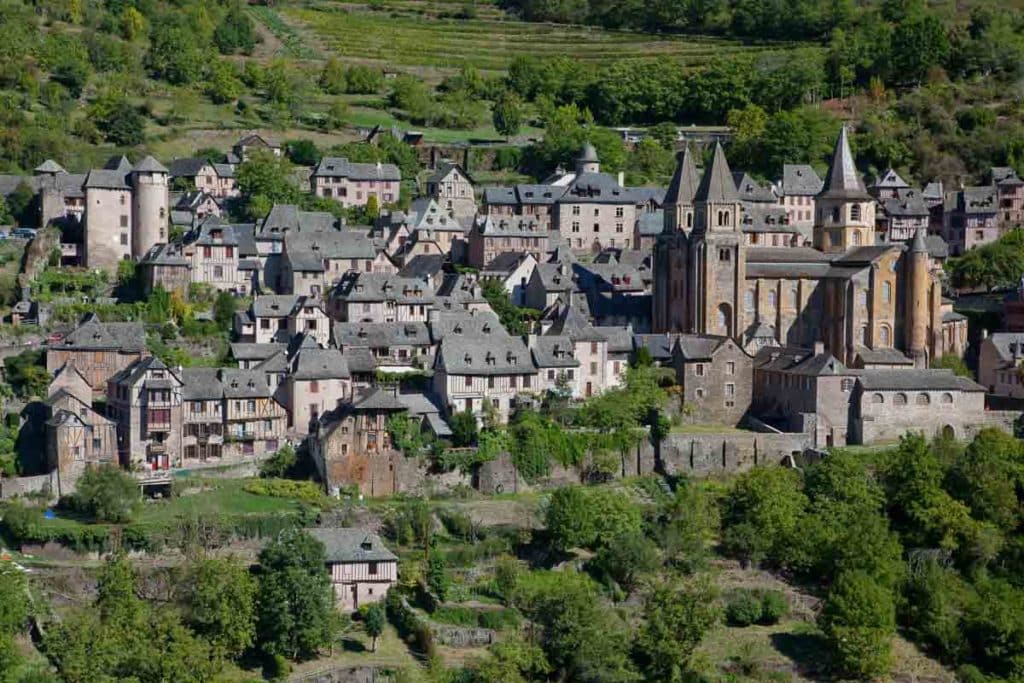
683	187
717	186
843	181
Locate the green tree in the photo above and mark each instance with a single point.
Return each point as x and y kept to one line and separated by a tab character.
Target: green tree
303	152
234	32
294	607
590	517
374	620
332	77
266	180
922	43
372	208
108	494
20	204
224	307
464	429
676	618
507	114
14	603
222	605
762	512
988	477
686	526
363	80
626	558
174	53
859	622
26	373
280	463
222	82
952	362
438	579
120	122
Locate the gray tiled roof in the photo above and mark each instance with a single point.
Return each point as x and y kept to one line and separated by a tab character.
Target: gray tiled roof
149	165
444	169
567	321
245	383
275	305
761	217
883	356
843	181
555	277
426	214
752	191
315	363
462	323
423	266
95	335
329	244
650	223
889	180
165	255
201	384
717	186
379	335
341	167
371	287
106	179
698	347
352	545
288	218
554	351
492	226
249	352
620	338
909	203
910	380
526	194
596	188
800	180
497	355
505	263
683	186
49	166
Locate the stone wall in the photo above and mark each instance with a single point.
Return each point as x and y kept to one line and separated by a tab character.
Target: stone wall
704	454
344	674
22	486
463	636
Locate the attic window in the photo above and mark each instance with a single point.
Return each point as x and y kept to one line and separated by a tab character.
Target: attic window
486	328
489	358
315	246
234	384
361	333
468	359
510	358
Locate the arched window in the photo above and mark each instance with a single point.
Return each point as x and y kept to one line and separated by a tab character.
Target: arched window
689	220
886	292
772	299
835	214
855	213
862	297
725	320
923	399
865	336
877	398
856	238
748	300
947	398
794	298
900	400
884	334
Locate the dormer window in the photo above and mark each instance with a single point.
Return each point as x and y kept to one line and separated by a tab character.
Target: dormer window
468	359
489	358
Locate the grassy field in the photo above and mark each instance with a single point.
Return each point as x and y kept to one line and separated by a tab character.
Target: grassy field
395	35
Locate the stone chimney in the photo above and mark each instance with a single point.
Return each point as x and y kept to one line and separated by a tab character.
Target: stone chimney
819	348
622	179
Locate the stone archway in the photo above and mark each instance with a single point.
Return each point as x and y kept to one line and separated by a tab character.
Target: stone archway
948	432
724	322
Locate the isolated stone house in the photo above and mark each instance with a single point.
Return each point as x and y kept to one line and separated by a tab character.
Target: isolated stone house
361	569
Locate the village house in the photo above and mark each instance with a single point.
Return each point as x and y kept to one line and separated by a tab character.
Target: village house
255	423
378	298
513	270
428	223
590	349
197	173
527	202
799	186
472	370
224	256
491	237
202	397
243	150
396	347
595	211
889	185
999	364
427	267
971	218
279	317
352	184
1010	195
166	266
144	400
361	569
313	261
189	209
318	381
98	350
715	374
901	214
248	355
452	188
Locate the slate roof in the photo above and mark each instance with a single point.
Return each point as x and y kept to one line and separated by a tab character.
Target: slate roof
909	203
341	167
106	179
1003	342
481	325
976	200
371	287
527	194
234	234
92	334
620	338
752	191
388	398
883	356
166	255
460	289
274	305
315	363
717	187
497	355
148	164
426	214
651	223
491	226
800	362
762	217
352	545
842	180
380	335
249	352
444	169
697	347
800	180
257	140
659	345
49	166
288	218
567	321
554	351
240	383
201	384
555	277
505	263
423	266
911	380
137	370
891	180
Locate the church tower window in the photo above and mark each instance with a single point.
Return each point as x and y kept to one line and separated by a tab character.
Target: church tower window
835	214
855	212
748	300
886	292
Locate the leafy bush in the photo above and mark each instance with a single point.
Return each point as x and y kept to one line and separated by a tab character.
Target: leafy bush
773	607
499	619
107	494
743	608
279	463
305	491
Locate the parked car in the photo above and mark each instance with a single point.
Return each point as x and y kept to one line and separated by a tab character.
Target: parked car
24	233
4	235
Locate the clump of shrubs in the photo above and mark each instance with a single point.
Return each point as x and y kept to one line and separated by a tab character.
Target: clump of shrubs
746	607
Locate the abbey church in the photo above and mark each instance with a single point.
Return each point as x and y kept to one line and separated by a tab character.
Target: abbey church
774	287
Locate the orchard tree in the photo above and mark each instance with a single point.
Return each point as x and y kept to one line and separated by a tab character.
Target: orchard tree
676	617
374	621
294	607
507	114
222	605
859	622
108	494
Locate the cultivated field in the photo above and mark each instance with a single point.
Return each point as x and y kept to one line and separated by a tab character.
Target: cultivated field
409	34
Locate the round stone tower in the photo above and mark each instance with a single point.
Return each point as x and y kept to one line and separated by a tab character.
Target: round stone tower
917	301
150	209
587	161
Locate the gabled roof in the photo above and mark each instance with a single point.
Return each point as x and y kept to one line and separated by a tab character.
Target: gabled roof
189	167
240	383
554	351
683	186
597	188
201	384
916	380
498	355
423	266
381	335
149	165
352	545
752	191
800	180
249	351
891	180
568	322
274	305
717	187
842	180
106	179
444	170
315	363
92	334
698	347
257	139
341	167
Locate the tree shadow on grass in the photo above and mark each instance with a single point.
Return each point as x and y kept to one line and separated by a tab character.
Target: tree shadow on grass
353	645
807	651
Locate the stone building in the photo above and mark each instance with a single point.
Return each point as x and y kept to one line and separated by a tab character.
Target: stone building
846	291
76	436
317	382
379	298
1010	194
971	218
257	143
361	569
595	211
202	398
98	350
999	364
716	376
396	347
313	261
798	188
491	237
472	369
144	400
352	184
255	422
452	188
216	180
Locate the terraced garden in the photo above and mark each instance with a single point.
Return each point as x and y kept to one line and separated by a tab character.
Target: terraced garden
429	36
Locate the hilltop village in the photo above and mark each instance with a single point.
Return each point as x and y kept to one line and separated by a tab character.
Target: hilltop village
794	316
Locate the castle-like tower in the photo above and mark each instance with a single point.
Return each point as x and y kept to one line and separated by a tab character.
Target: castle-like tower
717	267
918	304
150	210
671	251
844	211
587	161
